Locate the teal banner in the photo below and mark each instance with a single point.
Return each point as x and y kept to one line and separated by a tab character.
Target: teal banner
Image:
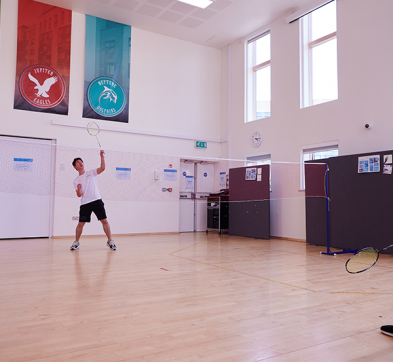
107	70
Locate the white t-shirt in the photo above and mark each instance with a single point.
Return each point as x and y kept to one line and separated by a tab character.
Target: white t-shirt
89	189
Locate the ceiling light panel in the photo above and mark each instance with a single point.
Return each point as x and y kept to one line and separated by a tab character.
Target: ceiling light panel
198	3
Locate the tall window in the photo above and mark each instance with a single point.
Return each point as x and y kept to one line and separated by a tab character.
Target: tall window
319	56
317	153
258	77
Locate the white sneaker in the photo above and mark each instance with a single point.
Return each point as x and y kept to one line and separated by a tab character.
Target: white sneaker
75	245
111	244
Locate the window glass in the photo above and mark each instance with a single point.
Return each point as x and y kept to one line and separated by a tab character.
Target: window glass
258	78
251	163
324	72
319	76
262	49
323	21
262	93
324	154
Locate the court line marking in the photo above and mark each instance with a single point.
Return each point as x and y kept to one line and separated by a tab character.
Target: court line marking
236	271
188	247
267	279
362	293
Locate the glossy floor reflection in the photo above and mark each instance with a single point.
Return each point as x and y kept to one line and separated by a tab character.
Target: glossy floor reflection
189	297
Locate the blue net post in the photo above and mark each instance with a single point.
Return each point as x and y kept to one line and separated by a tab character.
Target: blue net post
328	251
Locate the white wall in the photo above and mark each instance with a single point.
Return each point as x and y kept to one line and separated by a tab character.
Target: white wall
175	89
365	78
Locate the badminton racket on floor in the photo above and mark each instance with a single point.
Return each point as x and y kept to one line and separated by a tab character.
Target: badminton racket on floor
94	130
364	259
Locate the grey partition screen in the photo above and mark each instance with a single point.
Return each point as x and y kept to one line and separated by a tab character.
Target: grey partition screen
249	203
361	205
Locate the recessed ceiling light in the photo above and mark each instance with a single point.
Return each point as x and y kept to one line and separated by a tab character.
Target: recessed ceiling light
199	3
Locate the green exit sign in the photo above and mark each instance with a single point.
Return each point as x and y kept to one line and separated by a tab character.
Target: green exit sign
200	144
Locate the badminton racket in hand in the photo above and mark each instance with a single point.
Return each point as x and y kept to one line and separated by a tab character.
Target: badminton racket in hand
364	259
94	130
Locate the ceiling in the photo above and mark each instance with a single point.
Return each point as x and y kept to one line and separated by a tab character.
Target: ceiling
216	26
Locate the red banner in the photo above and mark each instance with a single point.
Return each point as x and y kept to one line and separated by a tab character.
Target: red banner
43	58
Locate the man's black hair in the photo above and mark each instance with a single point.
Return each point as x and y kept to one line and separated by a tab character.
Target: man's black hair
76	159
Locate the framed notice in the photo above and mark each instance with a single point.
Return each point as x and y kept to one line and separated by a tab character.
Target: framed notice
251	173
23	164
387	169
123	173
190	183
170	175
222	179
369	164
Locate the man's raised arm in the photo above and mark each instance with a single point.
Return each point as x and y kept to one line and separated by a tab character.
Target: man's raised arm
102	167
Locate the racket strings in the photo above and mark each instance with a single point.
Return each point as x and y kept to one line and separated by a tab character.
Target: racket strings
93	129
363	260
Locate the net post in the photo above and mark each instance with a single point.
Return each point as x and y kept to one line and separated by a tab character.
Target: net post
328	251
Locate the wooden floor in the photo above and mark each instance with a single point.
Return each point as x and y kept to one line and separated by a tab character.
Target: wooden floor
188	298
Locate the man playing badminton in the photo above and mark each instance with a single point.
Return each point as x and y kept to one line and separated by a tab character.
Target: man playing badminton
86	188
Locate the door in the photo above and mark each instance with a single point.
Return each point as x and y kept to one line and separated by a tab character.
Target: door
186	213
186	202
203	187
26	187
196	182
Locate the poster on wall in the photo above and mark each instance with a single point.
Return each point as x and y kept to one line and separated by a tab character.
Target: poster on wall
251	173
123	173
222	179
23	164
369	164
170	175
43	58
107	70
387	164
387	169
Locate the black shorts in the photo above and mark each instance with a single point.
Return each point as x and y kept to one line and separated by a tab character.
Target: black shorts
96	206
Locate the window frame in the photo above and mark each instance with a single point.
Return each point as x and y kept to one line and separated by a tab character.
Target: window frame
266	158
307	46
251	72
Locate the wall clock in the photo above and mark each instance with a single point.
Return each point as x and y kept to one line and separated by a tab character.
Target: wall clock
256	139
